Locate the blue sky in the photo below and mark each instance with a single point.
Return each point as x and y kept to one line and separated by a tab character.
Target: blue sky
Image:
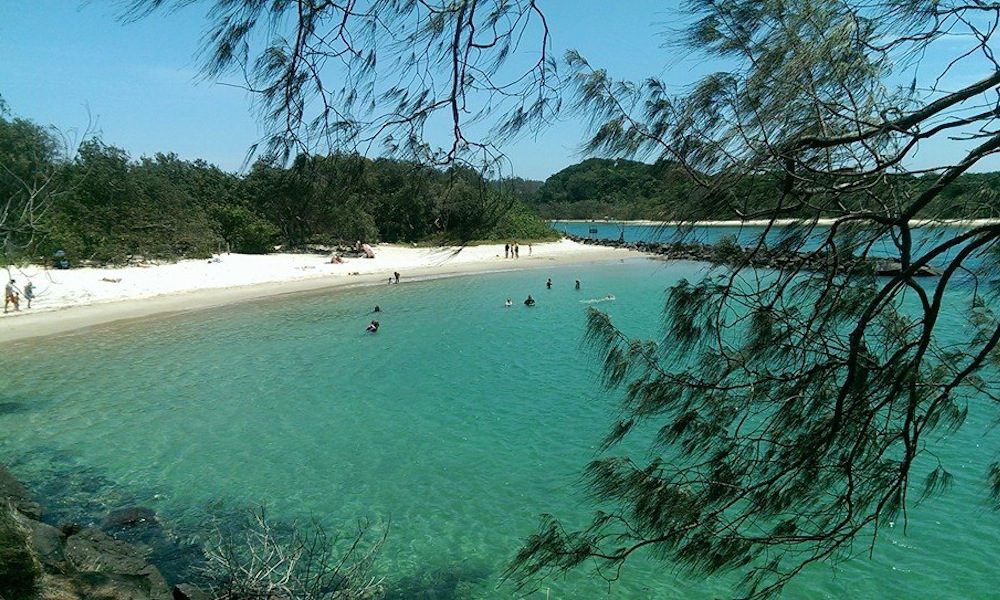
69	64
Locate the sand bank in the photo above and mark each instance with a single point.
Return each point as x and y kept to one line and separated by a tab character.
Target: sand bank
73	299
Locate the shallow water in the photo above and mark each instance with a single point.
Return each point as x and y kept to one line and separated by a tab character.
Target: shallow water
458	423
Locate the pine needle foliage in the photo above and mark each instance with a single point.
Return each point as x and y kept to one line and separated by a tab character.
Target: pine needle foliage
786	415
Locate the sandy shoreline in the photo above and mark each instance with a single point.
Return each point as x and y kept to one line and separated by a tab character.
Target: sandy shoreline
74	299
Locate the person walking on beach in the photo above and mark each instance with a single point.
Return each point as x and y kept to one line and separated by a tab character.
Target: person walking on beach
517	251
29	292
10	296
506	250
396	275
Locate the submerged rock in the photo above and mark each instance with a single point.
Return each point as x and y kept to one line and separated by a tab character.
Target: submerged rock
189	592
97	554
12	490
38	560
128	517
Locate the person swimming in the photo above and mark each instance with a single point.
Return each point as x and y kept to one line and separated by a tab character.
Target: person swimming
508	303
372	327
529	301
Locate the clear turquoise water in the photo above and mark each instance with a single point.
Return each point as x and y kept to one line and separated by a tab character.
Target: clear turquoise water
460	422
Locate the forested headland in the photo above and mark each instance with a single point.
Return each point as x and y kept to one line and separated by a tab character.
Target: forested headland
666	191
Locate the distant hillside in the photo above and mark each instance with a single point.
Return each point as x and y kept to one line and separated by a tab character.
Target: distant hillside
624	189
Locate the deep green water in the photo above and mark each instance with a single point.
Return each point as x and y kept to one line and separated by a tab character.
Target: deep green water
459	422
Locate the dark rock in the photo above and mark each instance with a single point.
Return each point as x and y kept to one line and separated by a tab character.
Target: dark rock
184	591
19	568
13	490
94	551
11	407
69	529
113	586
48	543
892	267
127	517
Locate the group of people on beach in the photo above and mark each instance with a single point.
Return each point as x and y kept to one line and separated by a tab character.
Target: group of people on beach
12	295
513	250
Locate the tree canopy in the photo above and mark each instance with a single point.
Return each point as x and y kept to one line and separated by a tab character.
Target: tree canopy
790	413
441	83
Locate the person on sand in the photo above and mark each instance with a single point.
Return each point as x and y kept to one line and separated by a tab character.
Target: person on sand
529	301
11	296
336	260
29	292
396	275
506	250
517	251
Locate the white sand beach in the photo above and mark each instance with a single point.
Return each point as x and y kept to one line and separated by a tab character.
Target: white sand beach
73	299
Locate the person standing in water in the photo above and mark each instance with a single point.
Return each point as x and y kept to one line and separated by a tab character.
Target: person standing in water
548	283
529	301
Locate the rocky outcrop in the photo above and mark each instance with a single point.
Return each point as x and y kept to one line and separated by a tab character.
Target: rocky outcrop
20	569
763	258
39	561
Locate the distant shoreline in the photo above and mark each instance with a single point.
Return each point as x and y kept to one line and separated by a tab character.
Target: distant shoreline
762	223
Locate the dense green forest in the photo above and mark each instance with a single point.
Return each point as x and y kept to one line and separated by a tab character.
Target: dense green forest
97	204
628	190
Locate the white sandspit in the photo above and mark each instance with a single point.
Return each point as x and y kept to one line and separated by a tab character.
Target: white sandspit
72	299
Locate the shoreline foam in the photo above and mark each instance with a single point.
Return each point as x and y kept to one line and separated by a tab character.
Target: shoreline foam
75	299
